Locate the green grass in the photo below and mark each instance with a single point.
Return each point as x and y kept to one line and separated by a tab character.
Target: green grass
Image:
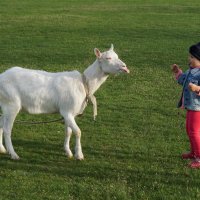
133	149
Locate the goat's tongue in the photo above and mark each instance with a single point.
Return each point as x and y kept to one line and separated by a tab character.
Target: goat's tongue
126	70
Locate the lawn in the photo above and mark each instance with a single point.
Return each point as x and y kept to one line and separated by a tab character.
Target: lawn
133	149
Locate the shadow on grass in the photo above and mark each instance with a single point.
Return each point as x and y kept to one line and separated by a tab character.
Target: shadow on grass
39	158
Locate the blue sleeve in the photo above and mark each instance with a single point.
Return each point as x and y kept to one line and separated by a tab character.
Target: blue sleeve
195	80
181	78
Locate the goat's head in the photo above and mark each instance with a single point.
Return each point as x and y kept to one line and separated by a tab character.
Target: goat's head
109	61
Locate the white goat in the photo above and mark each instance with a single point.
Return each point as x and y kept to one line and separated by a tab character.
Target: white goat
42	92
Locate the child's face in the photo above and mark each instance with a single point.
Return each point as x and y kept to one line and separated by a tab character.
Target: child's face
193	62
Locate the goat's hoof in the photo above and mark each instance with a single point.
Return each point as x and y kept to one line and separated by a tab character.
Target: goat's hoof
79	157
15	157
2	149
69	154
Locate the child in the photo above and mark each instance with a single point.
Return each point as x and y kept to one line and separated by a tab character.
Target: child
190	100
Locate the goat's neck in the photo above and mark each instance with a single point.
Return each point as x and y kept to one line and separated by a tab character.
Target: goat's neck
95	77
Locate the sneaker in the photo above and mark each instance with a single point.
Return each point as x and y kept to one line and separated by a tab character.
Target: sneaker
188	156
194	164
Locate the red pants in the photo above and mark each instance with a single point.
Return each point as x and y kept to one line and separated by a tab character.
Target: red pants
193	131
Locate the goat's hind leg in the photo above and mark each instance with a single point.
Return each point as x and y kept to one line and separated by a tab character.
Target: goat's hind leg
7	128
8	120
2	148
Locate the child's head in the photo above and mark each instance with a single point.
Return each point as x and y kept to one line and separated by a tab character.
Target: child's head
194	57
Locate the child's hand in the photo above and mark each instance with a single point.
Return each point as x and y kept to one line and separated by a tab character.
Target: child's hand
175	68
194	88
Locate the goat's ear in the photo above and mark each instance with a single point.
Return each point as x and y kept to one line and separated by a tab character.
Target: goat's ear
97	53
111	47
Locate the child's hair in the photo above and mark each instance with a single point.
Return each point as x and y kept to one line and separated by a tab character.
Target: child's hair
195	50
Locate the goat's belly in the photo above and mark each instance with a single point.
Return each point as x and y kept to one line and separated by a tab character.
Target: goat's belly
39	108
39	111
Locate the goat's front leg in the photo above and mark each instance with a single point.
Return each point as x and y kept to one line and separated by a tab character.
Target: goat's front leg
2	148
78	148
70	121
67	141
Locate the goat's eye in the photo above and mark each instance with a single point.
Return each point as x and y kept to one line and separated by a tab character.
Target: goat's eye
108	58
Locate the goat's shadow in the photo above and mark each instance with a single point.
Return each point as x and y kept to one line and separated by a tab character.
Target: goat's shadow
49	159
